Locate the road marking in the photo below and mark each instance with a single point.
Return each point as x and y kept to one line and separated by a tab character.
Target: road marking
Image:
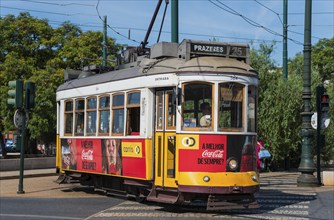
38	216
279	198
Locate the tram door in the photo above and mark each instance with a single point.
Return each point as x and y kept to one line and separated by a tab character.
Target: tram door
165	138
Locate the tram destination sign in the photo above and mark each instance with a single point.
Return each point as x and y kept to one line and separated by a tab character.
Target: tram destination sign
218	50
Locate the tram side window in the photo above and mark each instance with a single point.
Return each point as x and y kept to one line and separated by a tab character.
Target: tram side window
91	116
68	117
104	114
197	106
79	116
159	110
171	111
133	113
230	106
252	108
118	114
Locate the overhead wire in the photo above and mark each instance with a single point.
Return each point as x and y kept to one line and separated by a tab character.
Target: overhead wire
249	21
49	3
279	17
111	28
168	32
48	12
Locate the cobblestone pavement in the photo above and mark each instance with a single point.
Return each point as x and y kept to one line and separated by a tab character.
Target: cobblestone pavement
279	198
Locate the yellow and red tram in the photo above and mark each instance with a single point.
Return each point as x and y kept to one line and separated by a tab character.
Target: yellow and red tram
176	125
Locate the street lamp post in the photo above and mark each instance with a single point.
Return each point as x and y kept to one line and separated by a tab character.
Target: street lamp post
306	166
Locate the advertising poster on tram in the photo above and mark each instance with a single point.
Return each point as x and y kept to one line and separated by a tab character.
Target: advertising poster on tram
92	155
111	156
202	153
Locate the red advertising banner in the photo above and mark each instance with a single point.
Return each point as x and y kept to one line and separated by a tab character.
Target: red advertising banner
108	156
134	159
89	155
210	155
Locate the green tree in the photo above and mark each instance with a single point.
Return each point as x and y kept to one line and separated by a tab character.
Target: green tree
323	62
32	50
323	58
280	101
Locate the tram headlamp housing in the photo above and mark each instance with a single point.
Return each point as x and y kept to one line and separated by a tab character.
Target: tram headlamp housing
254	178
232	164
206	179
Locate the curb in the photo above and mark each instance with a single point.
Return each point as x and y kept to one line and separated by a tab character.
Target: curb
28	174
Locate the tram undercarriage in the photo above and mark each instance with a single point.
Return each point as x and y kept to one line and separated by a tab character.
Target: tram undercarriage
141	190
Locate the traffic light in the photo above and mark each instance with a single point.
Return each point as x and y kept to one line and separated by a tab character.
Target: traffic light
16	93
324	103
30	95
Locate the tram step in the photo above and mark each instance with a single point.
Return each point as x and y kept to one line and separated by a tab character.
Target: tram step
164	196
63	178
230	202
114	192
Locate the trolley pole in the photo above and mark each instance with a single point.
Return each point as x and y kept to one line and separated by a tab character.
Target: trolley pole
175	20
285	40
306	166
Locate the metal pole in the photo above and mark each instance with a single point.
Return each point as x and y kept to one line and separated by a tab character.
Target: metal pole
21	140
285	39
175	20
104	44
320	92
306	166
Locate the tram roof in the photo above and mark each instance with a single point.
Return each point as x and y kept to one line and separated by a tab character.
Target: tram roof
201	64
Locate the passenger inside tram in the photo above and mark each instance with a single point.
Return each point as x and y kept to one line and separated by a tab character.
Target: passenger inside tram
205	120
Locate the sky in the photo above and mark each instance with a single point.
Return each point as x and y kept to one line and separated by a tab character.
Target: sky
241	21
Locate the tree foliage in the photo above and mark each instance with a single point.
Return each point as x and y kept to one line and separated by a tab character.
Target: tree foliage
323	57
280	101
33	50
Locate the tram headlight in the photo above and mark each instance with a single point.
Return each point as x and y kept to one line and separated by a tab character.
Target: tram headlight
206	179
232	164
254	178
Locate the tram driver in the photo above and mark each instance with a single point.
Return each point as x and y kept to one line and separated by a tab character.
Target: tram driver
205	120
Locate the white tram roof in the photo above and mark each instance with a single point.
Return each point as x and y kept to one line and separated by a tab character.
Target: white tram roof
201	63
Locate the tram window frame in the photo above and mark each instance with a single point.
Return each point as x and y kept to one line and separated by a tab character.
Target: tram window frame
68	112
118	107
229	105
160	111
90	111
133	113
170	111
77	113
193	124
252	108
104	108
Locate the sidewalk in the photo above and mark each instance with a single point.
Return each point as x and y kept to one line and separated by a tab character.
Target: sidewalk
28	173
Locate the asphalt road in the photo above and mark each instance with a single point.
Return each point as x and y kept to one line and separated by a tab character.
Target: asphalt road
53	208
46	199
279	198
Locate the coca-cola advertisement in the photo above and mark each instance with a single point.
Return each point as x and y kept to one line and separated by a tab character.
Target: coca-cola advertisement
81	154
89	155
209	156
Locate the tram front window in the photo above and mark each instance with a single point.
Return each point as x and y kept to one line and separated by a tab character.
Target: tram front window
230	106
197	106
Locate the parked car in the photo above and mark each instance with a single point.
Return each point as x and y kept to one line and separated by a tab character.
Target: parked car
10	146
